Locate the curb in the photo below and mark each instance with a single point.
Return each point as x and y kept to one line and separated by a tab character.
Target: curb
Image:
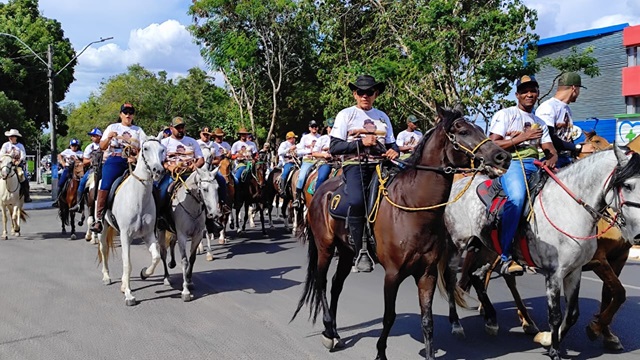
37	205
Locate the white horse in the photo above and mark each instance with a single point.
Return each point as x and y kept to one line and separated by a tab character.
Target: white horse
134	213
196	199
561	235
90	236
10	199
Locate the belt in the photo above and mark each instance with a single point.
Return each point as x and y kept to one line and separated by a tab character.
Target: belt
565	153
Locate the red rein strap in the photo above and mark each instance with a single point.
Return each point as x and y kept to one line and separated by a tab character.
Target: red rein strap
574	197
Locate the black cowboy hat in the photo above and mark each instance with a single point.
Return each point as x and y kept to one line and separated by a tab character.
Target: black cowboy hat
366	82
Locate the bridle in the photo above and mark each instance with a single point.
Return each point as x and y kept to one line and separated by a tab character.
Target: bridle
11	168
198	196
144	161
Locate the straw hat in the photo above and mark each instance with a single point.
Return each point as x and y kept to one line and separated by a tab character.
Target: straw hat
243	131
218	132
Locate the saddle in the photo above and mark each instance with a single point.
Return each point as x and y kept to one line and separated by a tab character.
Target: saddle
312	185
112	194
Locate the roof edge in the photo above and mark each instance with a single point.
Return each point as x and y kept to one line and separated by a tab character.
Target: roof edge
582	34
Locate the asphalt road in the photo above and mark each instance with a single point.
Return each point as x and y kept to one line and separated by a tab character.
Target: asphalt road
53	306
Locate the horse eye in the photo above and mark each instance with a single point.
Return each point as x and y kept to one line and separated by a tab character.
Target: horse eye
628	187
464	132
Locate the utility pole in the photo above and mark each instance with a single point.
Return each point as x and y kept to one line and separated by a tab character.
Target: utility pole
52	126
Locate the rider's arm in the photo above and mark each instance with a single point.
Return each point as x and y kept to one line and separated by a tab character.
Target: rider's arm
199	162
343	147
550	153
558	143
61	160
106	138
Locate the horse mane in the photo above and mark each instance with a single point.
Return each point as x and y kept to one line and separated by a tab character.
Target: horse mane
622	174
447	116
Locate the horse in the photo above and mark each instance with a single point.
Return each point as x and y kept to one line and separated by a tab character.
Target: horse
133	215
250	190
90	196
604	179
68	196
410	240
11	200
271	194
191	202
593	143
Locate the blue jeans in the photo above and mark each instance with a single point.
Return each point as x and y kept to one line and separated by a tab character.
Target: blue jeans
113	168
63	178
564	160
357	179
323	174
83	183
222	187
302	175
286	169
237	176
515	187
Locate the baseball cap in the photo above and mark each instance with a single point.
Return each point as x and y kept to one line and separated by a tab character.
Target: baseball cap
74	142
126	105
526	79
330	121
570	79
177	121
95	131
205	130
313	123
412	119
291	134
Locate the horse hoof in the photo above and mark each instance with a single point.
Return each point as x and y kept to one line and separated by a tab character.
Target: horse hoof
172	264
491	330
16	234
106	281
73	236
530	329
190	286
186	297
591	332
130	302
143	274
543	338
80	223
458	331
166	282
613	344
222	241
5	237
209	257
332	344
265	235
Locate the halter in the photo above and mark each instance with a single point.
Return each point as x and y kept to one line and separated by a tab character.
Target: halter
144	160
11	167
199	198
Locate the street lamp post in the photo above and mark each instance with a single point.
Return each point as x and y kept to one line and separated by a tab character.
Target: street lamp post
51	75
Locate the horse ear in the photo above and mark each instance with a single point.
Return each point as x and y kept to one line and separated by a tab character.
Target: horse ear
620	155
215	171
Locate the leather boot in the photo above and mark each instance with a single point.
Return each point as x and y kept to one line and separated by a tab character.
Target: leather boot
25	189
362	261
79	206
101	202
296	200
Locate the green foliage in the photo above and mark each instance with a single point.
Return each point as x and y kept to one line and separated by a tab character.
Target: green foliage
23	77
156	100
575	61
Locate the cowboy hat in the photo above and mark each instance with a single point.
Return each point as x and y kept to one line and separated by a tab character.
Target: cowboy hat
205	130
12	132
218	132
366	82
243	131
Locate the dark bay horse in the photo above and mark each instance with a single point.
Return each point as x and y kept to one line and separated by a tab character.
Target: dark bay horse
68	197
410	241
249	192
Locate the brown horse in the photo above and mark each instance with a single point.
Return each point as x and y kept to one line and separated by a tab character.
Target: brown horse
224	169
610	257
68	197
410	240
249	192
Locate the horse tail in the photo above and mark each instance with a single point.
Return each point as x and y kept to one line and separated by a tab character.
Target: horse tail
63	213
111	246
23	215
311	294
447	278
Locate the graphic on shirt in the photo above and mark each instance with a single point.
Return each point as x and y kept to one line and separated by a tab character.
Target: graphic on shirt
369	127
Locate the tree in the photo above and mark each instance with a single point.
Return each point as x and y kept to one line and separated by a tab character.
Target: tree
23	77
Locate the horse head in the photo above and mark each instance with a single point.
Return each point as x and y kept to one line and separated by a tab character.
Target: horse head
153	155
208	156
466	145
78	169
622	193
7	166
593	143
260	169
207	187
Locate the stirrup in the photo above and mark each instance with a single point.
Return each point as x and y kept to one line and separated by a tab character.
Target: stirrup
363	263
76	208
97	227
511	267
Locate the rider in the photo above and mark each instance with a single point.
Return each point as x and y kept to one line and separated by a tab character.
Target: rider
205	139
116	137
518	130
64	158
306	149
224	147
286	153
183	155
324	170
95	134
409	138
362	149
241	151
251	141
19	154
556	113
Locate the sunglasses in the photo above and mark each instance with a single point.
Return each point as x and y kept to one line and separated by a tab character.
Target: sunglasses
179	127
369	92
128	111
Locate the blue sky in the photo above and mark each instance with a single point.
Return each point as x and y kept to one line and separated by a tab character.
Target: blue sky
153	33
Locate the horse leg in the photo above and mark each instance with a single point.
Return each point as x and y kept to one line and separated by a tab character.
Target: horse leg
555	317
192	260
16	214
4	223
450	281
426	289
613	296
163	256
182	245
252	214
528	325
72	215
125	243
103	251
391	283
337	283
88	236
154	249
172	251
261	210
246	217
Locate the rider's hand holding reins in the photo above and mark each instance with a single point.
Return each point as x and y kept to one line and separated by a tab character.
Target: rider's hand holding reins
391	154
369	140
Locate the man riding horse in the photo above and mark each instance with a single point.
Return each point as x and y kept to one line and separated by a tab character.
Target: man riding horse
307	149
217	150
242	151
323	145
409	138
121	142
286	155
65	158
363	134
95	135
19	154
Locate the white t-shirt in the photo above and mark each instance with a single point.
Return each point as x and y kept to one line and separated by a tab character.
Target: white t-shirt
209	144
556	113
89	149
182	150
223	147
308	144
507	122
16	150
68	154
324	142
253	145
354	118
243	148
127	135
283	152
408	138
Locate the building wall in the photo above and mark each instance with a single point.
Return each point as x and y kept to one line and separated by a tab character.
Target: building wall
603	96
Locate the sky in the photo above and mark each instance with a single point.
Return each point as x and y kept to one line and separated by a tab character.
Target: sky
153	33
